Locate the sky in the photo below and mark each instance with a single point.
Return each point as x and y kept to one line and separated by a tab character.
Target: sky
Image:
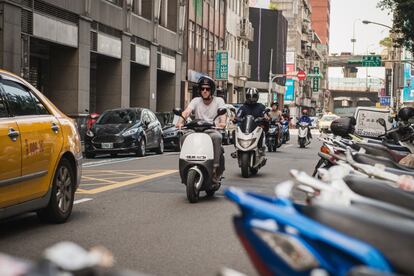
343	15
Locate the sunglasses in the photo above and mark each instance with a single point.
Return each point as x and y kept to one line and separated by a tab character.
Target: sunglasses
205	88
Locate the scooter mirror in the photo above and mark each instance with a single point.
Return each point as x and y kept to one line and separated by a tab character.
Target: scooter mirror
178	111
381	121
221	111
267	110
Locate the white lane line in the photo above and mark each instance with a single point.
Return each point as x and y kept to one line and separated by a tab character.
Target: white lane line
114	161
82	200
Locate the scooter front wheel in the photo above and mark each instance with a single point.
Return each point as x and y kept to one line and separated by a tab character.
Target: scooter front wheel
192	178
245	164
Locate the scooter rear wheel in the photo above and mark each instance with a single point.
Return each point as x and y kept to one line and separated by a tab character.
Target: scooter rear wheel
192	194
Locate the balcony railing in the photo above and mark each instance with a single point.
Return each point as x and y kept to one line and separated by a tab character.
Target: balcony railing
246	29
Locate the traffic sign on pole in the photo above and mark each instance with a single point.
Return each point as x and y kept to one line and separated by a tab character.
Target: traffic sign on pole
371	61
222	65
301	75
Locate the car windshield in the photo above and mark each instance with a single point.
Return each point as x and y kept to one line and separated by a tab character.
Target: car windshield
328	118
126	116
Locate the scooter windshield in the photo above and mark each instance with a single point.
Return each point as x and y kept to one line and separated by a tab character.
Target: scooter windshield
248	124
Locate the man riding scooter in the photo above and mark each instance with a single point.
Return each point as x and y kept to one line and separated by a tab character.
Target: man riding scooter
306	119
253	108
205	108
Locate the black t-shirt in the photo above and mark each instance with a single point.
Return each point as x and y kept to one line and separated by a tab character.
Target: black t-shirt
256	110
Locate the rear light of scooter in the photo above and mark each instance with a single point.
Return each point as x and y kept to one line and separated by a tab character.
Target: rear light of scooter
289	249
325	149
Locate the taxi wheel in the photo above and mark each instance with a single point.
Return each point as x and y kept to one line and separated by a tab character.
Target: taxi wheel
141	148
61	200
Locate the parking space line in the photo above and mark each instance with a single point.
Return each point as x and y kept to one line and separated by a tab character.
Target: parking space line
125	173
99	179
81	191
82	200
128	182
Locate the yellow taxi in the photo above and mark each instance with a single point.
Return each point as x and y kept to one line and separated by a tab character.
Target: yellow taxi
40	153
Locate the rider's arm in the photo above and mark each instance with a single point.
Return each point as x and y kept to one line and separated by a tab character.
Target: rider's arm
186	113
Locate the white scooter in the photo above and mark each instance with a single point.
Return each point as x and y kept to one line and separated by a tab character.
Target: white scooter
303	139
251	158
197	157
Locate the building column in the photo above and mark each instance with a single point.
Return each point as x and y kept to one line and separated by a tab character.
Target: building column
70	74
113	79
10	38
125	70
152	85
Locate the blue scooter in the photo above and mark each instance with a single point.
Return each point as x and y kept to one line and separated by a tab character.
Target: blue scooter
284	238
285	131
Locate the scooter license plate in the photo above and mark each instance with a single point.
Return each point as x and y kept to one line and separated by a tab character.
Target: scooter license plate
107	145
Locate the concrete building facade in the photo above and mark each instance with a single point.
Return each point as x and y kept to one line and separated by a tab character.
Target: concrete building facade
239	32
321	14
96	54
268	52
204	36
305	51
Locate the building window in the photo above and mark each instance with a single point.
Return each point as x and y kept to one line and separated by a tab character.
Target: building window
146	9
115	2
191	30
211	45
137	7
198	37
205	41
216	4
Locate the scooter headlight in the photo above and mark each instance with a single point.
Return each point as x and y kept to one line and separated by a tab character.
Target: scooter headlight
246	143
289	249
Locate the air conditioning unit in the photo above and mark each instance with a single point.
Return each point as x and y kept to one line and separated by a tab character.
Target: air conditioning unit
244	70
246	29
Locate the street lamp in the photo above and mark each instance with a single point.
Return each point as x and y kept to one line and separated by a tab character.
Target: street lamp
353	40
375	23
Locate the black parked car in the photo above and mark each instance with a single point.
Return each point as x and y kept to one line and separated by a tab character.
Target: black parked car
124	130
171	134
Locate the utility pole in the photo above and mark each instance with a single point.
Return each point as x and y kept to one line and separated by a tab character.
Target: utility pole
269	96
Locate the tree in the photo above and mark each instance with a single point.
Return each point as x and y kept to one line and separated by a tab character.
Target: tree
403	13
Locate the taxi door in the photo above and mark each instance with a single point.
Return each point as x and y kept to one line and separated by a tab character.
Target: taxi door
10	157
41	139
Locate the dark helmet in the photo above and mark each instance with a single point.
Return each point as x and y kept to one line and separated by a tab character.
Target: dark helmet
206	80
406	113
274	103
252	95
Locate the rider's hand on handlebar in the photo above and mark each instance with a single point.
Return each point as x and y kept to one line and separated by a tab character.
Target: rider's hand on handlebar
179	125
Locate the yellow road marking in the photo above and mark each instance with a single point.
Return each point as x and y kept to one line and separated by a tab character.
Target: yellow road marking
98	179
127	182
125	173
81	191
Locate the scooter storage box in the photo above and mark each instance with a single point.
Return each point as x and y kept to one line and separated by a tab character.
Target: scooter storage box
343	126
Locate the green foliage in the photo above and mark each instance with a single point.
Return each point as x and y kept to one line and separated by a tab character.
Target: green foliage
386	42
274	6
403	12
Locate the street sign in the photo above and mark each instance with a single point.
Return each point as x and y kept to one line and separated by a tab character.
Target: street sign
222	65
315	80
301	75
371	61
385	101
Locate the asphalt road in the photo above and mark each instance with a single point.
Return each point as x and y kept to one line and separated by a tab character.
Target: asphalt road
137	208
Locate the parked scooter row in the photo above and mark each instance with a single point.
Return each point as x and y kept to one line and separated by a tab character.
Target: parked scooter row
357	219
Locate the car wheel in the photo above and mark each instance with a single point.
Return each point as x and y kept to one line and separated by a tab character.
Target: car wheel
61	200
141	148
178	146
160	149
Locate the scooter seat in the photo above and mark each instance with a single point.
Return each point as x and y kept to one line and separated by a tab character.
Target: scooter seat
395	147
380	190
392	235
372	160
381	150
